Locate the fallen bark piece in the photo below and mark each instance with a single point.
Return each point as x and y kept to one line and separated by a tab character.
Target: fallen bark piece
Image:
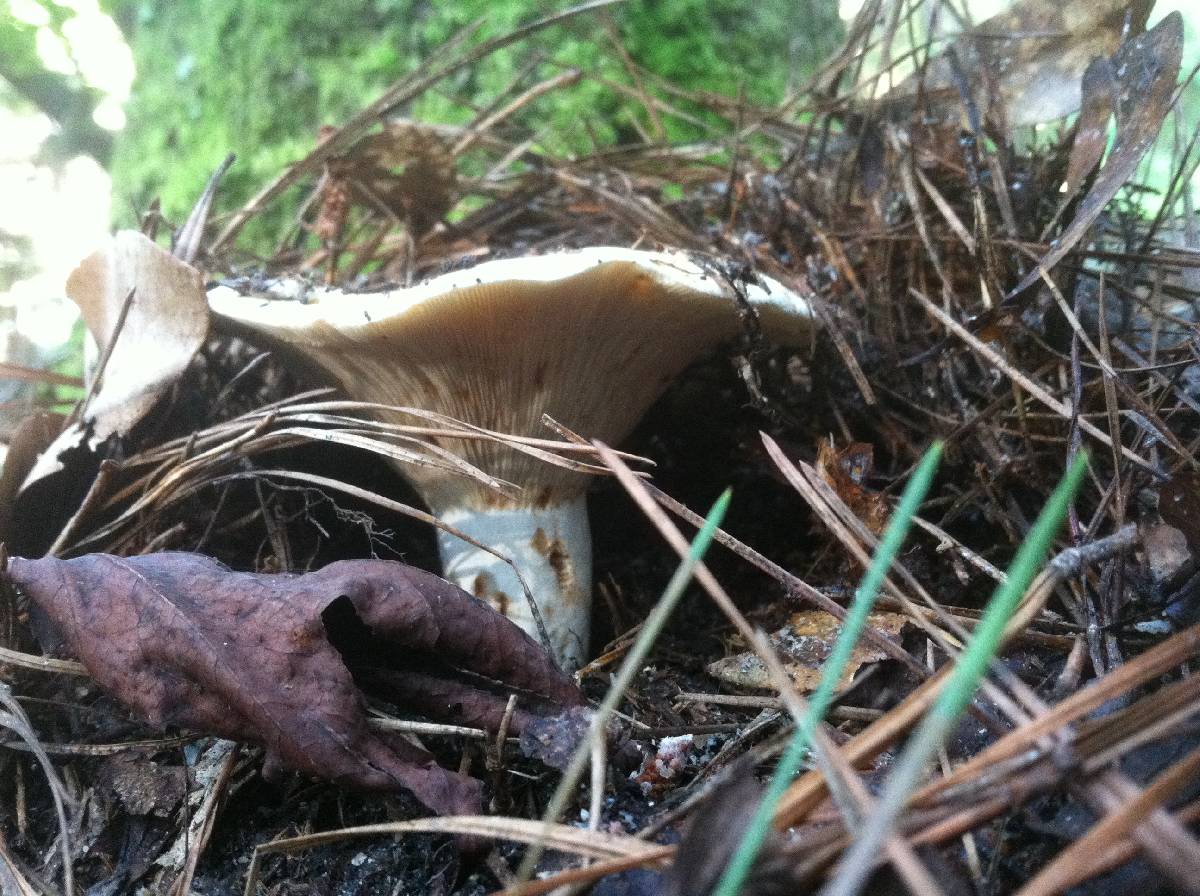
286	661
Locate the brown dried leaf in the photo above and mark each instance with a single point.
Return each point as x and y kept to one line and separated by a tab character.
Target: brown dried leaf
407	169
715	831
279	660
1169	557
1179	505
846	471
1027	62
1146	68
803	645
140	785
165	327
35	434
1170	542
1091	131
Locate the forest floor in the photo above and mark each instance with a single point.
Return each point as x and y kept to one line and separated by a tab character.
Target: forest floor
1020	303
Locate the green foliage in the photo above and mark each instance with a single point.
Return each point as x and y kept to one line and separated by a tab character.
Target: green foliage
63	98
258	78
16	254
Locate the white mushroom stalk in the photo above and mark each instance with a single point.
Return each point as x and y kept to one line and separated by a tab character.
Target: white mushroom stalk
591	337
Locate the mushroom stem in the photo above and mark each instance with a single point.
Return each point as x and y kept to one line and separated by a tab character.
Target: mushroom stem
551	546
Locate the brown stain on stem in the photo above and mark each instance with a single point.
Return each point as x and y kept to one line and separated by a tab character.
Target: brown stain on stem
484	588
559	559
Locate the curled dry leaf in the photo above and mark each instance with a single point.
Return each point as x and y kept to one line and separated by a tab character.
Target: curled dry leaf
803	645
846	471
286	661
407	171
164	326
1025	64
1146	69
33	436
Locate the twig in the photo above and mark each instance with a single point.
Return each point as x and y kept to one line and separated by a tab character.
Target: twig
102	364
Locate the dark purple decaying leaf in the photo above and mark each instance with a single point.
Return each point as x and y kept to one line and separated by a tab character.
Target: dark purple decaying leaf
1146	69
284	661
553	739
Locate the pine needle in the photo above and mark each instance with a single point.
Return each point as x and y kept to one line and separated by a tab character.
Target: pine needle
864	598
960	687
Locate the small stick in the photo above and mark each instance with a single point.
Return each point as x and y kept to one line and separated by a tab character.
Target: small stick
102	364
563	79
103	475
495	760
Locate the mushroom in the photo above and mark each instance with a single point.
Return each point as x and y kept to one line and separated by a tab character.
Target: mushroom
590	337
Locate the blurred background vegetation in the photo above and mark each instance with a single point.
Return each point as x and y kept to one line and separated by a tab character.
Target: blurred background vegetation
107	105
258	77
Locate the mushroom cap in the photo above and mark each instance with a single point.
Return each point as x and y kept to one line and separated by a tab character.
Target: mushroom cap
591	337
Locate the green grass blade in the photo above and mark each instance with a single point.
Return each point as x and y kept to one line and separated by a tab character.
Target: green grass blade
954	697
649	633
864	598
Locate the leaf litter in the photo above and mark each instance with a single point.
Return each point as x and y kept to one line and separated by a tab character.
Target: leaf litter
905	218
